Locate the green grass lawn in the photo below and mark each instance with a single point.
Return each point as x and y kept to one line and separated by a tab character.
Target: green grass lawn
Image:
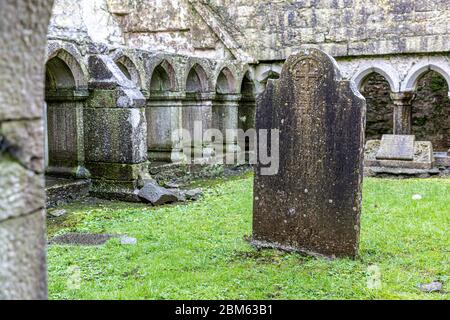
198	250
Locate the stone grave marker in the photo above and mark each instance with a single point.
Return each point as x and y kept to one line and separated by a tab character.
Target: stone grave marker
313	204
396	147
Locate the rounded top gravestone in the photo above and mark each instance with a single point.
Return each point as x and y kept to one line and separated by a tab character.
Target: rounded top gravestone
313	203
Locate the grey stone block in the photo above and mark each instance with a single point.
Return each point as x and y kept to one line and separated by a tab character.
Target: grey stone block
22	190
23	258
115	135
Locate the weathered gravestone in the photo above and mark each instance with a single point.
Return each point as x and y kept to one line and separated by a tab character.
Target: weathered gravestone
396	147
313	204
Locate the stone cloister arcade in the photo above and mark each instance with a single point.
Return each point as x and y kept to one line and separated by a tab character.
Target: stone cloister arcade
410	91
111	114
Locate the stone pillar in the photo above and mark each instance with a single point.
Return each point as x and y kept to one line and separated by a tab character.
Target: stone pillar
197	119
65	132
164	122
247	117
402	112
22	198
115	132
225	118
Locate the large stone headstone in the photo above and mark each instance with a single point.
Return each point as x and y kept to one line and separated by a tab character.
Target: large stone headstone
313	204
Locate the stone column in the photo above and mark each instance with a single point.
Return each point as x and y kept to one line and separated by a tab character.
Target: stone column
65	132
225	118
23	273
402	112
247	117
164	122
115	132
197	119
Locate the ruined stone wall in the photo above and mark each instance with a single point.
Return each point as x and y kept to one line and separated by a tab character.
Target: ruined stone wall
84	21
272	29
430	109
22	56
379	116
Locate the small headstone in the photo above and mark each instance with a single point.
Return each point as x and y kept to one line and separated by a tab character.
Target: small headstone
396	147
157	195
313	204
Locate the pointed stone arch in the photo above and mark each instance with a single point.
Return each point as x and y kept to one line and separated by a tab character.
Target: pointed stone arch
130	70
197	79
419	69
64	70
386	70
163	77
226	81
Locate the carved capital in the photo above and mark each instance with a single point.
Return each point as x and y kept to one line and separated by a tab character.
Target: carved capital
403	98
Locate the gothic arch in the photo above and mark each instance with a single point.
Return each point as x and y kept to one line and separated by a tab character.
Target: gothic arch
129	69
384	69
163	77
418	70
197	79
63	70
226	81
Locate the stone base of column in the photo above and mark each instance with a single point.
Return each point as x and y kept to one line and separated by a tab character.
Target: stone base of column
77	172
116	190
171	156
118	181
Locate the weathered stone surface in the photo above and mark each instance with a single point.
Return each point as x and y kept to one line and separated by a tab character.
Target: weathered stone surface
115	135
271	30
423	157
157	195
65	135
313	203
193	194
396	147
22	54
164	120
117	171
22	190
60	191
116	189
23	258
434	286
25	141
82	239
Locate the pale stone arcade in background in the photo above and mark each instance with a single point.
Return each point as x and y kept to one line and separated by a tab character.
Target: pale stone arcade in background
103	89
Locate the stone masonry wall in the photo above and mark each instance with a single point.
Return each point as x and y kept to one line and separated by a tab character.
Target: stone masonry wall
431	111
22	56
379	117
273	29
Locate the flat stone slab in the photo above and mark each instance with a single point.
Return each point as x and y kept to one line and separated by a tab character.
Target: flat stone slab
82	239
396	147
90	239
423	157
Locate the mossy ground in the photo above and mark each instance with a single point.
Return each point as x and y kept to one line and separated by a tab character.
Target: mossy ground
198	250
